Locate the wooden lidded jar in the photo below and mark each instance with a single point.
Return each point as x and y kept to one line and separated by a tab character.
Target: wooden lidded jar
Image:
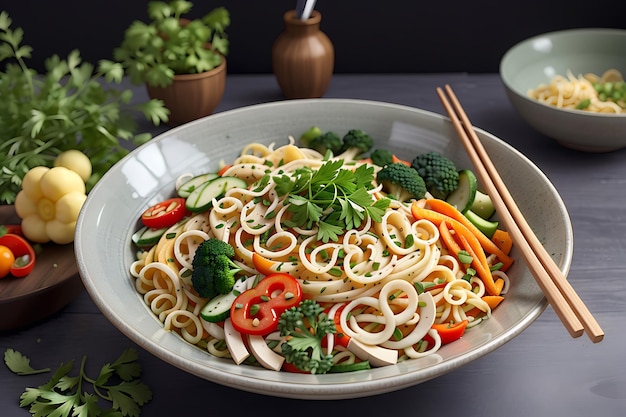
303	57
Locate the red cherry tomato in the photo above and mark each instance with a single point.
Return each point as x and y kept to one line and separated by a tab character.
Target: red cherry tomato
22	251
165	213
256	311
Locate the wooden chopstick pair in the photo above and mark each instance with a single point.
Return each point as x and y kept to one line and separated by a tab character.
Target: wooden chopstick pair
558	291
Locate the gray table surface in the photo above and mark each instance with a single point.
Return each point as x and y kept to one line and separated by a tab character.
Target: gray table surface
542	372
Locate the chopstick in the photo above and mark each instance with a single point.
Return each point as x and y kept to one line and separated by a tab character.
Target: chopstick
568	306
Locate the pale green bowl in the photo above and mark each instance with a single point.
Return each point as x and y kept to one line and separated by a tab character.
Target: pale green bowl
108	219
536	60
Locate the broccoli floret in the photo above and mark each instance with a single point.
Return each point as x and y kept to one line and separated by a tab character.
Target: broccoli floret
401	182
355	143
381	157
213	268
439	173
310	134
315	139
305	327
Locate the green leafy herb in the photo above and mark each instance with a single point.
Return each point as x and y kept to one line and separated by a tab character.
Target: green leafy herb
332	198
69	107
20	364
170	44
64	394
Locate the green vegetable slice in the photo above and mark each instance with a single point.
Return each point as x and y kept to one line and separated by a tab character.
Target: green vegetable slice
463	197
188	186
218	309
147	237
486	226
202	197
483	206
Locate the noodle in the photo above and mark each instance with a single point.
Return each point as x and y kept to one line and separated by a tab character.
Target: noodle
368	277
580	93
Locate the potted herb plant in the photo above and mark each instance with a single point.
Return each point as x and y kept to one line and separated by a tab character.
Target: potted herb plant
181	61
73	105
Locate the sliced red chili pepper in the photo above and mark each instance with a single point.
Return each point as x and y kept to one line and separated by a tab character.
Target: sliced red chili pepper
449	332
24	254
256	311
165	213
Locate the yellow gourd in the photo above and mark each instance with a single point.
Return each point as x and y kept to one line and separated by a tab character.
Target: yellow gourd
49	204
76	161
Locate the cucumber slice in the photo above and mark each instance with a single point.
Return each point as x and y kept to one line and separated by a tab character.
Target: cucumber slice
486	226
188	186
218	308
147	237
463	197
202	197
483	206
356	366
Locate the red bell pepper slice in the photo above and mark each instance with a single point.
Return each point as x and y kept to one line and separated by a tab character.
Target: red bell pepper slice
24	254
165	214
449	332
256	311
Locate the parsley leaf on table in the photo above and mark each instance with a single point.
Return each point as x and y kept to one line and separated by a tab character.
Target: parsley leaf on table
64	394
20	364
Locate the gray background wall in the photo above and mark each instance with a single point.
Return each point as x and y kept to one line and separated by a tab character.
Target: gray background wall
399	36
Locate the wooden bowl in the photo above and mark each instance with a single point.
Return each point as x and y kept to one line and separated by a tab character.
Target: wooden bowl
52	284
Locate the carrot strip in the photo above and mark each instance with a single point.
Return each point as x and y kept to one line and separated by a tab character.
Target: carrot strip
223	170
492	300
469	242
503	240
448	240
448	211
262	264
395	159
499	283
479	261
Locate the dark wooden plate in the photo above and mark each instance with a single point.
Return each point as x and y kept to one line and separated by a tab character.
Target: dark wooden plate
52	284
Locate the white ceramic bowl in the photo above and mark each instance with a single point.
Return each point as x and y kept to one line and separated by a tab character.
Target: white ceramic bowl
537	60
148	174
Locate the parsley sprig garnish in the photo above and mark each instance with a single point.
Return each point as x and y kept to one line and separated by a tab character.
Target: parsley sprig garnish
332	198
67	395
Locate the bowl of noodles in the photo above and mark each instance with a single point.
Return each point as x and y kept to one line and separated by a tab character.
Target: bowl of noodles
385	264
569	86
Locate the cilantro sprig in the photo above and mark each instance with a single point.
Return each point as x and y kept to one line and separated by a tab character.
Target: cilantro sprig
331	198
67	395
